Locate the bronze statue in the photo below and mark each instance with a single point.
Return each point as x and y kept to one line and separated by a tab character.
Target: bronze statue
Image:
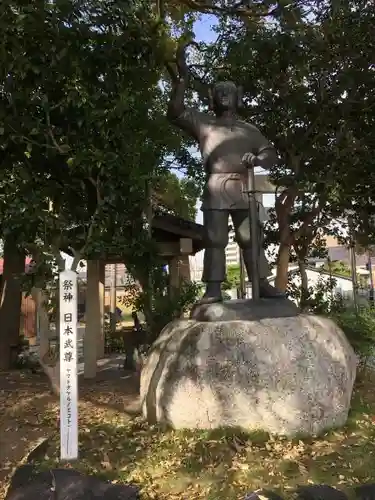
228	146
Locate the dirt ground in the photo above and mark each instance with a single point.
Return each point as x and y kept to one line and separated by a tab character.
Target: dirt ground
29	411
221	464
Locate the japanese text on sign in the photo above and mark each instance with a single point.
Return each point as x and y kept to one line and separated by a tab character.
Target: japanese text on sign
68	365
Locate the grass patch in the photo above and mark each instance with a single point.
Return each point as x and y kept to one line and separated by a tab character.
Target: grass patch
224	464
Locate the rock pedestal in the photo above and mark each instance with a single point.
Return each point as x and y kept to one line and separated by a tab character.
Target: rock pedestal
255	365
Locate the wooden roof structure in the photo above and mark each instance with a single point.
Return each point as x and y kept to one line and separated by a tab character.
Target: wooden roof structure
173	236
169	228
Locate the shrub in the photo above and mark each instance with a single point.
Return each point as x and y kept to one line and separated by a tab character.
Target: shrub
167	307
319	299
359	328
159	306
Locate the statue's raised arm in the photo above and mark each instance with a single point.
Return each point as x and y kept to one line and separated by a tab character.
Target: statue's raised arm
180	82
186	119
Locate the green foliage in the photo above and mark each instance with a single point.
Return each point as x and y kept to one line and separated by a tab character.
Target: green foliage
359	328
340	268
167	307
300	99
233	277
177	196
319	299
337	267
112	343
158	302
83	132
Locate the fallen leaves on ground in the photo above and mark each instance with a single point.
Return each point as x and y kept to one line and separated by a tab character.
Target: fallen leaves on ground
30	411
224	464
213	465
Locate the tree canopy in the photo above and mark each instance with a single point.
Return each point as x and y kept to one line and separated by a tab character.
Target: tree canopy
298	73
82	129
85	148
83	132
82	114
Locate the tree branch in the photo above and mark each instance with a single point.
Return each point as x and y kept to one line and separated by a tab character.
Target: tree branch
51	135
160	8
76	258
55	246
307	221
96	184
285	201
239	9
100	202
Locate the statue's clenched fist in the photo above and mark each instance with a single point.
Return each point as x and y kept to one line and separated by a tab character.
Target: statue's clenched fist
249	160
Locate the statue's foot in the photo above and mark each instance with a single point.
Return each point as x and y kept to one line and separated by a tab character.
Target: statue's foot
213	293
267	291
209	299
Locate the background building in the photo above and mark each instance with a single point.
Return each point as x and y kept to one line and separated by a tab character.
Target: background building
232	252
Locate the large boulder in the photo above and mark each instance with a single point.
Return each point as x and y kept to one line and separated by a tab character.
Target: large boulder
281	374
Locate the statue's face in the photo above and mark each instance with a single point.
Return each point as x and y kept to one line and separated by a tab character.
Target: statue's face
225	96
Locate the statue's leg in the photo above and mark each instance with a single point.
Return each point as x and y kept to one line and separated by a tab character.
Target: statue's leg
241	223
216	234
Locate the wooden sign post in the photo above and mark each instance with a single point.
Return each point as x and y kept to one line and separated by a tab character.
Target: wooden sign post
68	366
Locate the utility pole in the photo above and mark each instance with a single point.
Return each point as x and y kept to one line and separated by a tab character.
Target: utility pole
353	263
113	298
254	231
369	267
242	277
329	262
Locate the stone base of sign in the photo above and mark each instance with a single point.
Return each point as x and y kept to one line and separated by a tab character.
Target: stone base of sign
285	375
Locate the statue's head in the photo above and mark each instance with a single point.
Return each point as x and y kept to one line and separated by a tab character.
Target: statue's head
225	96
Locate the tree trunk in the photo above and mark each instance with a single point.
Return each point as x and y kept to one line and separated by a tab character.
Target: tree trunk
10	302
281	280
43	330
49	363
53	373
304	284
93	319
283	207
142	276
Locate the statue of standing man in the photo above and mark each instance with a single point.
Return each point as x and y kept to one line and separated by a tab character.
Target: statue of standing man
228	147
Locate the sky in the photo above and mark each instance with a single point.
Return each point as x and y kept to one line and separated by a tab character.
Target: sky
203	29
204	33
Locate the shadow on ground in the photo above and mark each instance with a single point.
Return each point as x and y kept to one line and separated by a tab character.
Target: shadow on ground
169	465
225	464
30	411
